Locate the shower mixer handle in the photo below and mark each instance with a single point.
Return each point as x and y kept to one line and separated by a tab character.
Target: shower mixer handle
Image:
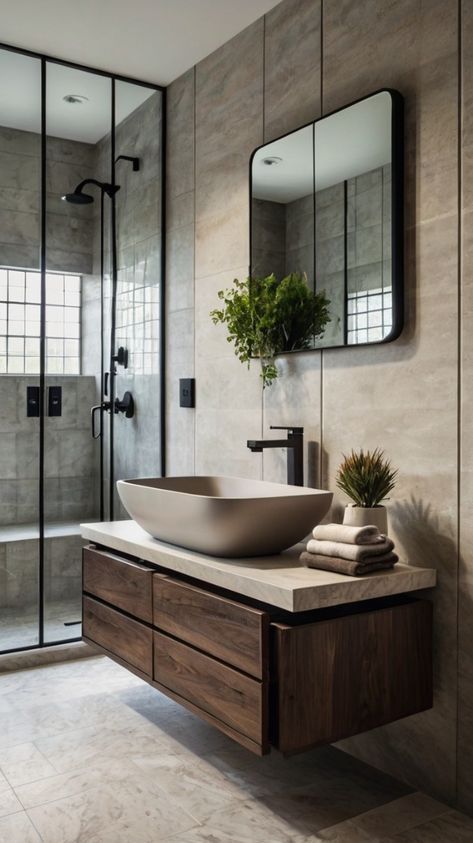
98	408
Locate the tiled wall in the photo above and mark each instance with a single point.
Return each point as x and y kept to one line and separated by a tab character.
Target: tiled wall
138	216
70	456
69	227
19	565
137	444
402	396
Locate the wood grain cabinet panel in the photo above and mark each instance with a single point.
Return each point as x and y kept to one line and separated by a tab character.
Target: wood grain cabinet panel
120	636
225	693
338	677
230	631
126	585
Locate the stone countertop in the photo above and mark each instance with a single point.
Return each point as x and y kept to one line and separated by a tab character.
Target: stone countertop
277	580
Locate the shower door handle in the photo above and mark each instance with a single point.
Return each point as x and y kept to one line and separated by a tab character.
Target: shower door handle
98	408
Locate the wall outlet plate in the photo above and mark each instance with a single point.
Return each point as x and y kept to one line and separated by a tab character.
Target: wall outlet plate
187	392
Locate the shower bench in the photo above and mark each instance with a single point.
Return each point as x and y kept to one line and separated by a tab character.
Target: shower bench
269	652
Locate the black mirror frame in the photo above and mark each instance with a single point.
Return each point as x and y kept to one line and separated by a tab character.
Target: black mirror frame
397	213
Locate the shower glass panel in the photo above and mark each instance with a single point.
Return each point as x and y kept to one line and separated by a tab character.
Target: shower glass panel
20	260
78	124
138	205
81	363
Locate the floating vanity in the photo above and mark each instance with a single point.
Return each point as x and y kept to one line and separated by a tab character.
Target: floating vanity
269	652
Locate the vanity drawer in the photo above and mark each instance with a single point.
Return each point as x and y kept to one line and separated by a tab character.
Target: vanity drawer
348	674
126	585
230	631
227	695
121	636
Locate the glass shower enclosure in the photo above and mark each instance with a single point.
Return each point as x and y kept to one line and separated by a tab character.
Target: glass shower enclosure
81	327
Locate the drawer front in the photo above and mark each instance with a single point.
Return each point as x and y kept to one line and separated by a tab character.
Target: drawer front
126	585
221	691
121	636
228	630
340	677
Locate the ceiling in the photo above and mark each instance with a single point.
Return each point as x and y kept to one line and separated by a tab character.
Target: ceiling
151	40
89	121
348	143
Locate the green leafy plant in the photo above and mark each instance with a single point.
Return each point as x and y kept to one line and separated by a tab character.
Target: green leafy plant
366	477
267	316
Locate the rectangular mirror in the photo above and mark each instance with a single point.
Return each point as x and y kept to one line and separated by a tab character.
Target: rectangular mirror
327	203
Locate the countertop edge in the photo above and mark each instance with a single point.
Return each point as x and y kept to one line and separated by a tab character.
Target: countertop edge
291	598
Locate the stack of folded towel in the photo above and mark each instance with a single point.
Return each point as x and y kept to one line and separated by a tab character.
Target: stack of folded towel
349	550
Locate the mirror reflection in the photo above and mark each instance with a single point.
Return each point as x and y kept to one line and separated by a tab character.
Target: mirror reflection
322	206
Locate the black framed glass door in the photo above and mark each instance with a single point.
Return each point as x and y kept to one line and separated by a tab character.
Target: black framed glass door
78	272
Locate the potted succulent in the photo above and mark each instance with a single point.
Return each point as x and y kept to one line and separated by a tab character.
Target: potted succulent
267	316
367	478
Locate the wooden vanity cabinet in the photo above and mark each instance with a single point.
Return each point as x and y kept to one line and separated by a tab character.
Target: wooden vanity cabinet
262	676
346	674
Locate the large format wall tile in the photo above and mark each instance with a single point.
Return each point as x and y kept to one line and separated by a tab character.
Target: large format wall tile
229	396
180	421
403	397
229	126
292	66
229	122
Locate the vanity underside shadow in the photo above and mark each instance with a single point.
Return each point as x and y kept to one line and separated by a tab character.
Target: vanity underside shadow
264	676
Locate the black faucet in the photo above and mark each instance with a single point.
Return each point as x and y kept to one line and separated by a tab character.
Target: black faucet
294	444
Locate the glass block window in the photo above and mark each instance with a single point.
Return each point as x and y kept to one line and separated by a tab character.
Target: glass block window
20	296
369	315
137	327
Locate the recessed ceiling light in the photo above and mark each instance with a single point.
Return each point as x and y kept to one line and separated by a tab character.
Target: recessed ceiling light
272	160
75	99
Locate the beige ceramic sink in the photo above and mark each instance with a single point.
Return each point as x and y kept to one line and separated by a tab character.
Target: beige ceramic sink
224	516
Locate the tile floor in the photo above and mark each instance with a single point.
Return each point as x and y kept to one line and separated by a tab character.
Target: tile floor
91	754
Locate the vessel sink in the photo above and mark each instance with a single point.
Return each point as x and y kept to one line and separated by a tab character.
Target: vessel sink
224	516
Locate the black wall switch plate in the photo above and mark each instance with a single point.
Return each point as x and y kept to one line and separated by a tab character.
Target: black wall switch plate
55	401
187	392
32	401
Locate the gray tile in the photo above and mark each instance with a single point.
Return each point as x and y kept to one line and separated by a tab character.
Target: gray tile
451	826
24	763
8	457
292	52
180	127
18	828
180	262
398	815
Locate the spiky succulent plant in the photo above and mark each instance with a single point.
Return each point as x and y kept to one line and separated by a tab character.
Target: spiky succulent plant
367	477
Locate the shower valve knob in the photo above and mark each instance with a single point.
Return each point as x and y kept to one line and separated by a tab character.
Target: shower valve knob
121	357
125	405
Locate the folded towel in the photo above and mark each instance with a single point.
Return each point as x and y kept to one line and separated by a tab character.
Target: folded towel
355	552
346	566
346	534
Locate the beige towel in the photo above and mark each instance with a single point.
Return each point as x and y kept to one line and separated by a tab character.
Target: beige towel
355	552
347	567
346	534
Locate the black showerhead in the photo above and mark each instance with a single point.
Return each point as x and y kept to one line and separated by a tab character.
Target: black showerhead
80	198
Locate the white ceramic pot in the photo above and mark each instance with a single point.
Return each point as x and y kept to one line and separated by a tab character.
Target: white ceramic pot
361	516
